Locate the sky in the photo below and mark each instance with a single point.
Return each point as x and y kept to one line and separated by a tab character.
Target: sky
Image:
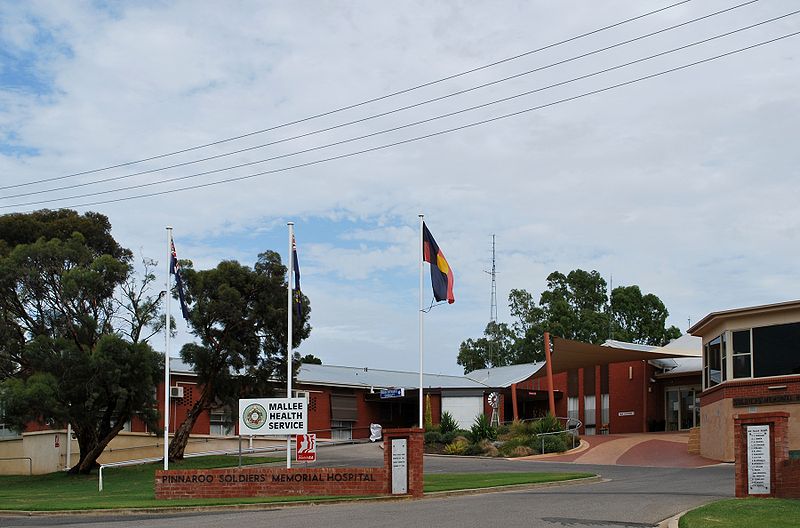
685	183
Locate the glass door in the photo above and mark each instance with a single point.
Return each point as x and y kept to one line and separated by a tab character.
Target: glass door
673	410
682	408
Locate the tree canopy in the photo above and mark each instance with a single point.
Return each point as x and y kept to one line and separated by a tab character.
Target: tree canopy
238	314
574	306
67	352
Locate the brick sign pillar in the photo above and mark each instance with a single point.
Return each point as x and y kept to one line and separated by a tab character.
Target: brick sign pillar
415	443
777	424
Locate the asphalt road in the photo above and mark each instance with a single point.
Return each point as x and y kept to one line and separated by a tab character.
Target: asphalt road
629	497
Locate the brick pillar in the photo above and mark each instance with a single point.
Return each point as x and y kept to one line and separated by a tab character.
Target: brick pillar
415	442
778	423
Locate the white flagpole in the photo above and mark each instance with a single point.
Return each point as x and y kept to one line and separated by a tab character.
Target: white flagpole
289	267
421	341
166	353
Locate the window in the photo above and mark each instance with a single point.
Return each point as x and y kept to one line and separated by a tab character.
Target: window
776	350
742	358
604	409
572	409
589	415
712	368
219	425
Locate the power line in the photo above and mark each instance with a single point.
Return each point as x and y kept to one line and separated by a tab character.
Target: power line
450	130
355	105
375	116
393	129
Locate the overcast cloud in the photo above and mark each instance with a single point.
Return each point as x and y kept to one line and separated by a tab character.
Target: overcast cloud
685	184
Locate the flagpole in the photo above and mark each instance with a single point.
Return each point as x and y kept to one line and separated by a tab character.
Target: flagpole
166	353
421	341
290	265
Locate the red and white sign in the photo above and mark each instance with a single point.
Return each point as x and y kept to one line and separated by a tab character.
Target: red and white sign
306	448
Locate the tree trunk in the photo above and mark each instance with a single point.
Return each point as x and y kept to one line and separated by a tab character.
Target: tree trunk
91	448
181	437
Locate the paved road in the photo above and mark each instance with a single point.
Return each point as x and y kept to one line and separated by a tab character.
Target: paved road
631	497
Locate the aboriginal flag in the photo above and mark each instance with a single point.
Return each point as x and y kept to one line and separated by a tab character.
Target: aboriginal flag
441	274
296	293
175	269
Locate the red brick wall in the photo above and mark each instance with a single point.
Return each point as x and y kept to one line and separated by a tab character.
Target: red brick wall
789	484
266	482
751	388
626	394
780	482
262	481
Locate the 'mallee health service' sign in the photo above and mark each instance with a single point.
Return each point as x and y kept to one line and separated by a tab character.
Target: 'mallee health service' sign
272	416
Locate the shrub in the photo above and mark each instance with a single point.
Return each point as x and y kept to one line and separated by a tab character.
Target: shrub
551	443
448	424
457	447
521	451
473	450
548	424
428	418
433	437
482	429
448	437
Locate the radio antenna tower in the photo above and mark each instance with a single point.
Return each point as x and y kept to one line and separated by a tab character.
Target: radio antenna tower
493	306
493	273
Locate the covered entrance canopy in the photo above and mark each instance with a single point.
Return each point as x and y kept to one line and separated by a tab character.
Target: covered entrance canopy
568	354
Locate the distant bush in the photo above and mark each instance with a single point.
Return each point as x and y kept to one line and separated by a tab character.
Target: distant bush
548	424
448	424
482	429
433	437
457	447
553	444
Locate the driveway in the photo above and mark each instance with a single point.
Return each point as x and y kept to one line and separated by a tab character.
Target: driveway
630	496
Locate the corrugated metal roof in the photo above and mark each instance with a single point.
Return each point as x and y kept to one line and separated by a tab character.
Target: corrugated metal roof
378	378
505	376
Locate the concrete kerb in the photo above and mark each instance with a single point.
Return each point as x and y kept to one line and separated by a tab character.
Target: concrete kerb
297	504
673	521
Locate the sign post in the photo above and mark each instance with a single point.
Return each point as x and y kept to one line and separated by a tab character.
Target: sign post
273	416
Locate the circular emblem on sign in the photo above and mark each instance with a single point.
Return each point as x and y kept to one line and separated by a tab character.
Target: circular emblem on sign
254	416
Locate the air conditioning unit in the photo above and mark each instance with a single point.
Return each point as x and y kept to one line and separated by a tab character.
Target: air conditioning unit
301	394
176	392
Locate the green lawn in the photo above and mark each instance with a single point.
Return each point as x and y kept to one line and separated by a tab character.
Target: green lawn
745	513
458	481
132	487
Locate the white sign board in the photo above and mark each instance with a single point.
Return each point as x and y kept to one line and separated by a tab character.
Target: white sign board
399	466
758	460
272	416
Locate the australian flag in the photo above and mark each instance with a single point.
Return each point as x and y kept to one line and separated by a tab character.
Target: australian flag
175	269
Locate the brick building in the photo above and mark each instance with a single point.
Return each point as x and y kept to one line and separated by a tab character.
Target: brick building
751	364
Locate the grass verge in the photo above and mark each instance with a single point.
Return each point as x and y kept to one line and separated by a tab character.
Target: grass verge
132	487
460	481
745	513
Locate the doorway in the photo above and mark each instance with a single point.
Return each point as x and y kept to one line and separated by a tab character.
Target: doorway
682	408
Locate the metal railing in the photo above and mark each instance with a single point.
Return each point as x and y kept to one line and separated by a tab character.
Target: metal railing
29	459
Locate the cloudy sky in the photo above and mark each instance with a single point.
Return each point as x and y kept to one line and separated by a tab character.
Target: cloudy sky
685	183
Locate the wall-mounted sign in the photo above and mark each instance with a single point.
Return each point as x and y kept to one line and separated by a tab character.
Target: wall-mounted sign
767	400
758	460
399	448
272	416
393	393
625	413
306	450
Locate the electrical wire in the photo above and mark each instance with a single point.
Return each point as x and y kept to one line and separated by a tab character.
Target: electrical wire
447	131
355	105
408	125
374	116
